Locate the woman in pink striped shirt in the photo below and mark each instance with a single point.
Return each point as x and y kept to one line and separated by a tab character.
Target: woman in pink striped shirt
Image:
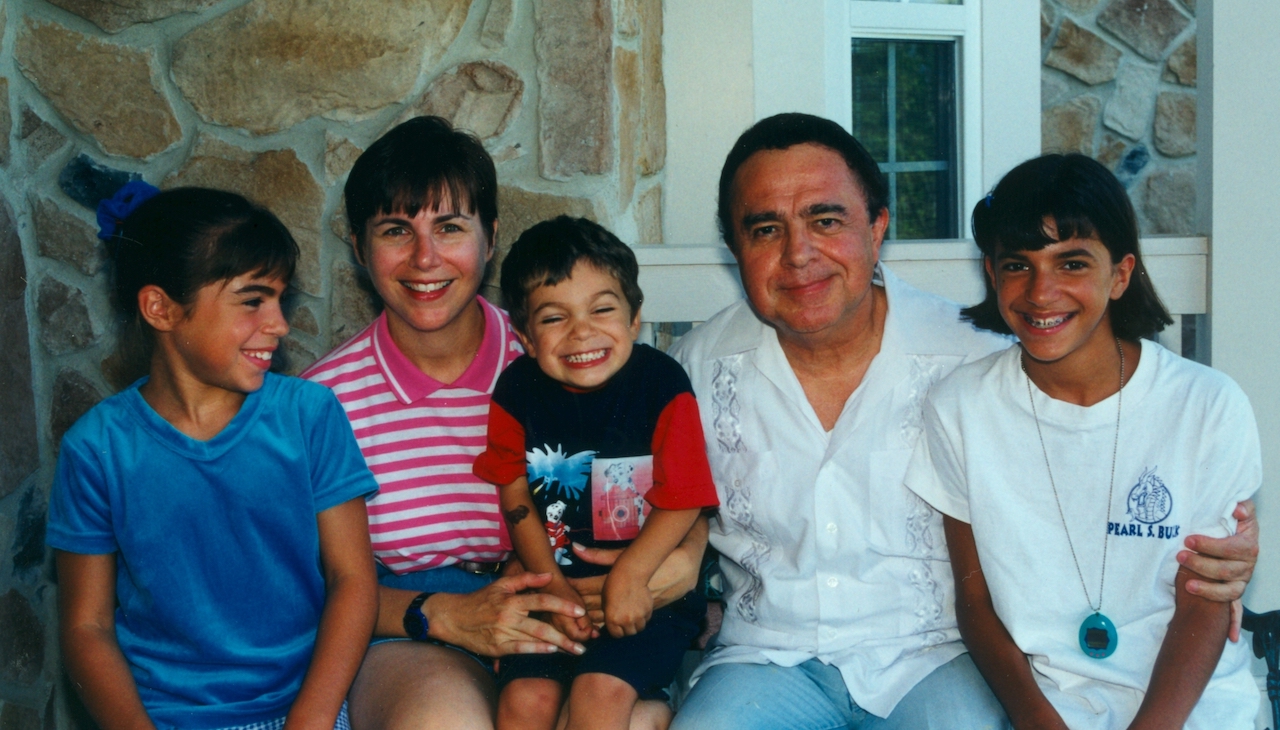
422	205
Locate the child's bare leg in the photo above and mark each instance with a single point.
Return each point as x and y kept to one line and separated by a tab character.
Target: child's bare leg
600	701
530	704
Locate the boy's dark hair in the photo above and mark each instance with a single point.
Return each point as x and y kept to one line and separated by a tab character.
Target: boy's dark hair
1084	200
545	255
423	162
183	239
783	131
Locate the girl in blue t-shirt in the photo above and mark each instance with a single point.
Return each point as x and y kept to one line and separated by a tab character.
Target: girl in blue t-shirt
208	521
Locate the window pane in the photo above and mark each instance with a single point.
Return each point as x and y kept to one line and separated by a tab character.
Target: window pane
927	2
904	112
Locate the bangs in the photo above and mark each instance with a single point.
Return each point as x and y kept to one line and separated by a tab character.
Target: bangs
1028	231
259	246
440	192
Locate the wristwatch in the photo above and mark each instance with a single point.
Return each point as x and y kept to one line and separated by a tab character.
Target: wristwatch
415	621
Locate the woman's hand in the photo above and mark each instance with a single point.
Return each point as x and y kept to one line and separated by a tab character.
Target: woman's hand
1225	564
677	575
495	620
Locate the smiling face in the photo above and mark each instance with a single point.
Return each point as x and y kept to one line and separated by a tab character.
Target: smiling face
1057	300
427	268
804	242
227	336
581	330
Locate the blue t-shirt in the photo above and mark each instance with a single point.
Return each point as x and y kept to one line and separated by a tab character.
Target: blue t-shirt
217	548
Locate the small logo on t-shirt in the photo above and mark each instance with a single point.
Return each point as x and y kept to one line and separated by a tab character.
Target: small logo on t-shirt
1149	500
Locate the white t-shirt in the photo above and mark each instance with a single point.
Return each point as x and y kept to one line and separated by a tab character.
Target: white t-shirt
1188	451
826	554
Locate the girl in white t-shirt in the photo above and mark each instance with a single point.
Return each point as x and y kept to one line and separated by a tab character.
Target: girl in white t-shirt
1070	469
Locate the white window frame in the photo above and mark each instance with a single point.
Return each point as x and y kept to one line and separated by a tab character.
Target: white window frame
999	70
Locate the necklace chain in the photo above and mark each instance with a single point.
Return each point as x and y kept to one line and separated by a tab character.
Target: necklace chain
1110	489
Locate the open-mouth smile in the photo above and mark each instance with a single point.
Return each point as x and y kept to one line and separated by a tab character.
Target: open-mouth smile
587	358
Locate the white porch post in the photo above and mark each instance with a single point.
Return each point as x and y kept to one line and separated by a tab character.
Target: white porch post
1239	136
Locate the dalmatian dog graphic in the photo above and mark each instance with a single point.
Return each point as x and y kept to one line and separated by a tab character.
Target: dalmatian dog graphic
557	533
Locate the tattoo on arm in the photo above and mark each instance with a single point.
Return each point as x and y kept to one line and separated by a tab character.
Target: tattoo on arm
514	516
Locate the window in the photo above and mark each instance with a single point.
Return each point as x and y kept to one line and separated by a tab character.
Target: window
904	112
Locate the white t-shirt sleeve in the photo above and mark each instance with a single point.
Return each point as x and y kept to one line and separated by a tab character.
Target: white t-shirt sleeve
1230	462
936	472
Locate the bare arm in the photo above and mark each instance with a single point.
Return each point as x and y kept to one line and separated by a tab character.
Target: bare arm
677	575
627	602
1187	658
87	632
350	610
1001	662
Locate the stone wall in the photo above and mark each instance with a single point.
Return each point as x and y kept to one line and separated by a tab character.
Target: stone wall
1119	84
273	99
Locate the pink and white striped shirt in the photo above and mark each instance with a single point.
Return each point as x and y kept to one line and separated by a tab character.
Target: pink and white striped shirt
420	437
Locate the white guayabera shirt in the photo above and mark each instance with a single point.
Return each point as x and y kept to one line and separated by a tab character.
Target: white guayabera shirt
826	553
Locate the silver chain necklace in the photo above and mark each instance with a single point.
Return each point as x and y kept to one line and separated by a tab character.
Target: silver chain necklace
1098	636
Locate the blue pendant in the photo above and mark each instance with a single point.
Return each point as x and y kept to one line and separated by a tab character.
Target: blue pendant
1098	636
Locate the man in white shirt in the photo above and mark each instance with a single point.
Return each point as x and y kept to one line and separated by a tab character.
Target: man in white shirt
840	603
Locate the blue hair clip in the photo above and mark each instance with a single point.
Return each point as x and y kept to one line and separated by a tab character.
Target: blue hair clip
988	200
112	211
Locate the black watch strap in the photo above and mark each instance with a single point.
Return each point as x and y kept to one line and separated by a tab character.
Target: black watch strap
415	621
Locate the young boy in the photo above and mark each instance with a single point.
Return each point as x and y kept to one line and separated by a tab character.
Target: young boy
592	440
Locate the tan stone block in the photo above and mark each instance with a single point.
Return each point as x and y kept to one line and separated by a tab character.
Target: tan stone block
520	209
6	119
339	155
653	148
497	23
116	15
41	139
1169	202
626	79
1132	103
1148	26
353	303
266	66
1175	128
63	237
65	324
102	89
276	179
73	396
1083	54
304	320
482	97
1070	127
1181	67
21	640
19	450
1111	151
574	47
649	216
295	358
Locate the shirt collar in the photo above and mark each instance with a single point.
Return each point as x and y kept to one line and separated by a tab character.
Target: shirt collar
410	384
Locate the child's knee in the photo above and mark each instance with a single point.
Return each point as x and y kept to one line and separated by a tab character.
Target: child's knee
601	690
531	698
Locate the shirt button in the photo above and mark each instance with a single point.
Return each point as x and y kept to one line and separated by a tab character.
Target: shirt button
831	527
737	482
833	582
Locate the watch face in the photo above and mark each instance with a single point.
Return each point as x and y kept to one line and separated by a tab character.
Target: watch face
415	625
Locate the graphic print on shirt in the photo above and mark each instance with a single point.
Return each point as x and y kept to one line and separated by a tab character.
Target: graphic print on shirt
1150	502
618	487
558	485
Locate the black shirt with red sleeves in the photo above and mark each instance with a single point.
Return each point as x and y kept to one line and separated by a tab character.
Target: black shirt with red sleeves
595	460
